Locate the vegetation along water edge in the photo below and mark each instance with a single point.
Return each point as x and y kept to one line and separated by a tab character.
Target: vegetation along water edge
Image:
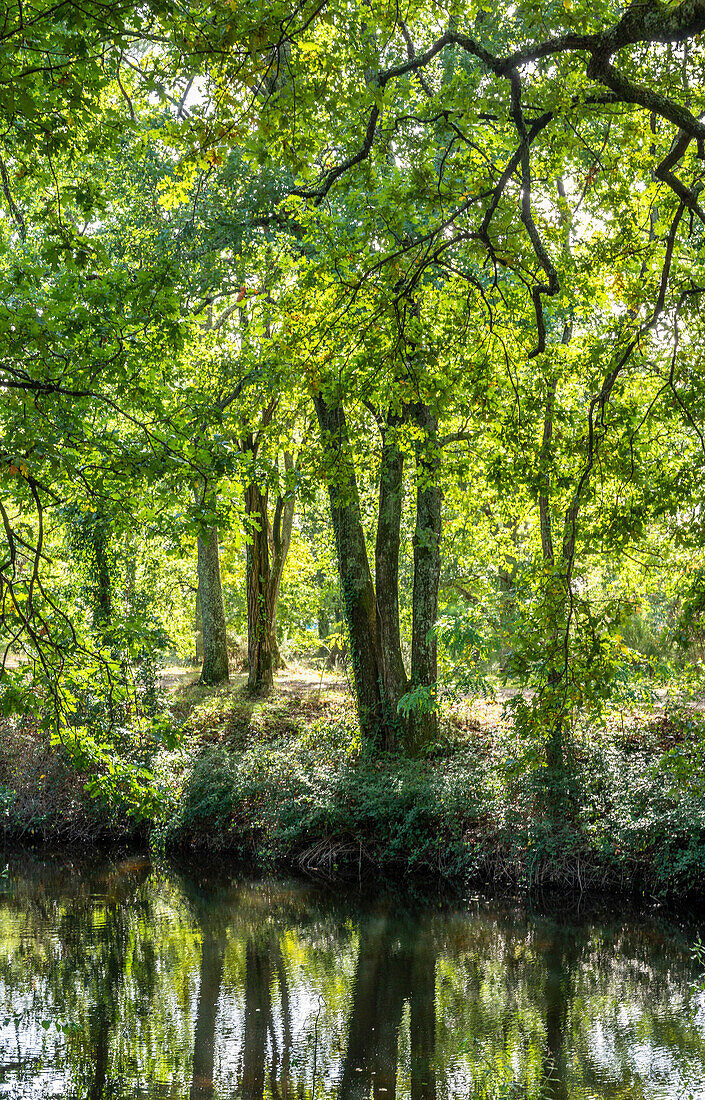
285	781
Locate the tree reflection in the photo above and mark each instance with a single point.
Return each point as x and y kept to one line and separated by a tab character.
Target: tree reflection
396	963
280	1077
156	986
423	1020
258	1011
210	981
560	957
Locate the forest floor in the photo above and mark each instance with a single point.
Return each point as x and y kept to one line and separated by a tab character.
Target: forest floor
285	781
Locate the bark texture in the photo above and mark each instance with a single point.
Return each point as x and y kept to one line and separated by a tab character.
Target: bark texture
199	625
423	725
391	492
355	576
259	631
215	645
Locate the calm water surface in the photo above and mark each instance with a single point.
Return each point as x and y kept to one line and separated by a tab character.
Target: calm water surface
124	980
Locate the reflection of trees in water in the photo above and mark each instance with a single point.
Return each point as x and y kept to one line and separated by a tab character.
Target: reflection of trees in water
528	995
96	972
258	1015
210	978
89	942
560	957
207	990
395	965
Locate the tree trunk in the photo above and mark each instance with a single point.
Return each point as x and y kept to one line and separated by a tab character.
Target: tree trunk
199	625
355	577
267	549
280	541
553	595
259	611
557	587
423	725
101	589
215	646
391	492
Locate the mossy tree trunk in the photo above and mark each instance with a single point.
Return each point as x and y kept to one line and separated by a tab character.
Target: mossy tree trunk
391	494
259	651
355	577
372	612
215	644
557	574
423	724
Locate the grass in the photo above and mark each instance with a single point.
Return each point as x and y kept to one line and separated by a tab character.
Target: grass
285	781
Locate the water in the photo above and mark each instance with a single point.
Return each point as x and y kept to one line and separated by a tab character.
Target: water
121	980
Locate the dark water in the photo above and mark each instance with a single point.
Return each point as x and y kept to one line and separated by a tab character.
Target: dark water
128	981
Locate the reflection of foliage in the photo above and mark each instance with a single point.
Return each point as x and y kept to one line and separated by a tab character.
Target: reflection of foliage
100	989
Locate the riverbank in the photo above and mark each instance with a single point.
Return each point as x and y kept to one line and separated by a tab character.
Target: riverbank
284	782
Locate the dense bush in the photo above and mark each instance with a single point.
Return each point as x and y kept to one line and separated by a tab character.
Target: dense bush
287	781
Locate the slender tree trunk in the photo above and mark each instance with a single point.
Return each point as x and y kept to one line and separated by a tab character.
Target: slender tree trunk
199	625
259	611
215	646
101	588
280	541
355	576
556	593
423	727
553	594
391	492
556	573
267	550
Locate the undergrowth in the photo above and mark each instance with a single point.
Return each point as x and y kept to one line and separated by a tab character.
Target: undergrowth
286	781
